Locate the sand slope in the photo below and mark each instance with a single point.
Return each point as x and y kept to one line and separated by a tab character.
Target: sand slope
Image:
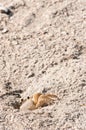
43	49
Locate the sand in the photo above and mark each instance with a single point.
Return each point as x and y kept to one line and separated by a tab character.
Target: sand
43	49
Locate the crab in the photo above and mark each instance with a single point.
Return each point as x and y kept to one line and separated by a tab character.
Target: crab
36	101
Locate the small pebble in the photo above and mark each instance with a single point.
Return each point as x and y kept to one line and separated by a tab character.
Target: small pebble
5	10
5	30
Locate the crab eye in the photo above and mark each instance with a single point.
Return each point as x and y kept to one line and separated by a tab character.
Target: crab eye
28	97
22	100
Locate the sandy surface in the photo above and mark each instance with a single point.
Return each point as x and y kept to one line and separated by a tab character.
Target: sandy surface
43	49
